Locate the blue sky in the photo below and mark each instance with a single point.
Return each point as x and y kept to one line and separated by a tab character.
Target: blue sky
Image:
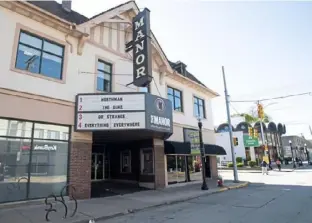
266	48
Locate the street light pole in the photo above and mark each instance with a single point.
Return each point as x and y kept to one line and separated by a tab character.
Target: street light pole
292	155
202	153
230	127
307	152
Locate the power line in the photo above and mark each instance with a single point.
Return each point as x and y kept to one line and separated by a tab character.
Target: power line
157	87
274	98
234	108
86	72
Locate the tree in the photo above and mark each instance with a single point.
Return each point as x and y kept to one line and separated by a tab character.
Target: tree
252	116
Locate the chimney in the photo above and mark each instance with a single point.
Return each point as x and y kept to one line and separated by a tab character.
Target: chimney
66	5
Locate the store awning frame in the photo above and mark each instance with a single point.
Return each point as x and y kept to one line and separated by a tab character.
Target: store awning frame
184	148
214	150
181	148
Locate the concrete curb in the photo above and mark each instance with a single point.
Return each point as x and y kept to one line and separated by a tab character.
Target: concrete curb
130	211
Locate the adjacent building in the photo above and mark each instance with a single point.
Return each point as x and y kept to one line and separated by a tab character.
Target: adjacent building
296	147
252	141
58	68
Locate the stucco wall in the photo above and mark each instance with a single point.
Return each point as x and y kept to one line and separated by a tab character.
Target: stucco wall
80	77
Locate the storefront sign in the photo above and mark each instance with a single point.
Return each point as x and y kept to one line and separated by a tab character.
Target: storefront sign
141	49
158	114
118	102
120	111
192	136
250	141
106	121
45	147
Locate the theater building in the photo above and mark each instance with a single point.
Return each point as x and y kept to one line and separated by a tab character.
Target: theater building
71	113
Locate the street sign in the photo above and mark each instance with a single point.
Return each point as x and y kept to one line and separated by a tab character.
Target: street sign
250	141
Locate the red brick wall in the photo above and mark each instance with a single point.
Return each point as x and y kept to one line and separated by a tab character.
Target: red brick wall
80	169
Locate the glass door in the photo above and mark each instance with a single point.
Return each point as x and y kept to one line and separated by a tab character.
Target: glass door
97	167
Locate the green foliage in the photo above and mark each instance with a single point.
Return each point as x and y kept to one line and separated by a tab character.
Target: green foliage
229	164
240	165
239	159
252	116
252	163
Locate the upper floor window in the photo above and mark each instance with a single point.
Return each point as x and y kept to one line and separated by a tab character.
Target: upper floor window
175	96
104	76
40	56
199	108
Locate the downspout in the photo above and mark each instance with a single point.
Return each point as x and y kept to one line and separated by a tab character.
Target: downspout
71	28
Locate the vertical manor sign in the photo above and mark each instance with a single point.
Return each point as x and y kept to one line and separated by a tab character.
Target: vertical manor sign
141	49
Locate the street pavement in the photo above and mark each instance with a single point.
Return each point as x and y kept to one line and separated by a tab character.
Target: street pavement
280	197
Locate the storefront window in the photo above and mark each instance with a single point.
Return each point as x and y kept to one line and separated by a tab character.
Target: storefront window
196	168
172	169
147	165
48	167
181	168
31	167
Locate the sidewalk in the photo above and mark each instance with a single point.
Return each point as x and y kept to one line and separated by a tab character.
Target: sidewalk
108	207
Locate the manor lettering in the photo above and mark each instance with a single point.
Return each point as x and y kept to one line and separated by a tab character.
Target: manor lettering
139	48
160	121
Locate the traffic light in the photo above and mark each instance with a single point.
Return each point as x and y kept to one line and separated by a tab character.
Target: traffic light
235	141
260	111
250	132
255	133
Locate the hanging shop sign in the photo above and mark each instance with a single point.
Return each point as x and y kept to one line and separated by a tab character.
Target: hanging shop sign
123	111
192	136
141	49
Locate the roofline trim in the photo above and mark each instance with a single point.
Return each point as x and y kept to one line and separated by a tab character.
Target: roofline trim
60	20
215	94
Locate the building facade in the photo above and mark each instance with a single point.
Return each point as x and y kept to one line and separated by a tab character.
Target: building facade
51	54
300	147
223	139
253	141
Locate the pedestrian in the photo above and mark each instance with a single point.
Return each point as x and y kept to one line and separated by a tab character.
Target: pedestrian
264	167
278	163
270	165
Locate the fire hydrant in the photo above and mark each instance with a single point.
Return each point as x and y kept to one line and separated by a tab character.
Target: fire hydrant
220	182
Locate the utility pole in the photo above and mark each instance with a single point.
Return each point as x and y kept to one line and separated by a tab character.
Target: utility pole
230	127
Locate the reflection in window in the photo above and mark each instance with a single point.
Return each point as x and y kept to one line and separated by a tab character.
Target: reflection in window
175	96
15	128
49	165
39	133
199	108
51	131
14	160
104	76
40	56
147	165
125	161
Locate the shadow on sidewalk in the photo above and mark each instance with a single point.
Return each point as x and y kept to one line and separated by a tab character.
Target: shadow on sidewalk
107	207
